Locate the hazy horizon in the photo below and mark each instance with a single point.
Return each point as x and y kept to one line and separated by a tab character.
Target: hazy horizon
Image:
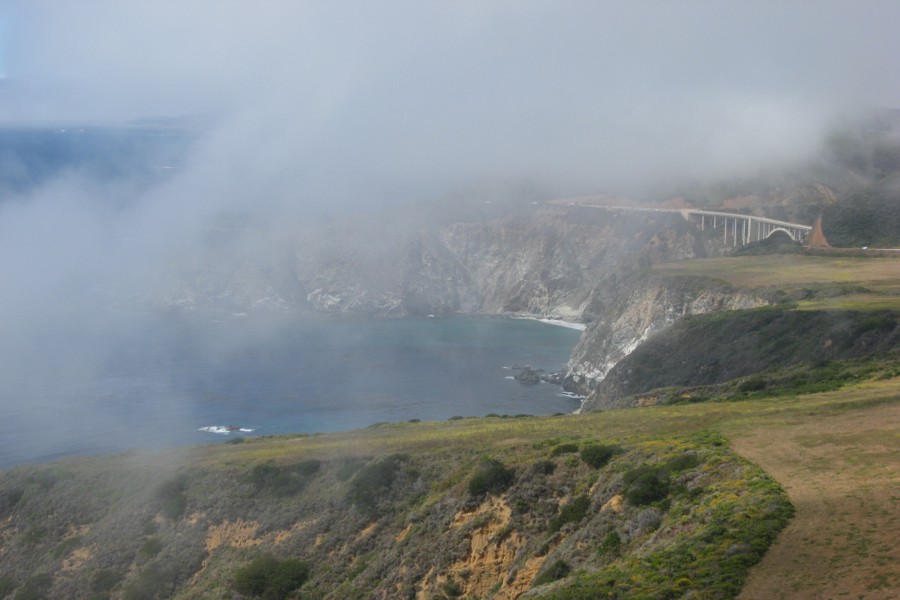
303	109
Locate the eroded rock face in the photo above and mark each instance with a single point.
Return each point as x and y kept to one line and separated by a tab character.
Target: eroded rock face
636	309
551	261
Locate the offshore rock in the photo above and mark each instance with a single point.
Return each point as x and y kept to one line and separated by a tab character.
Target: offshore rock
528	376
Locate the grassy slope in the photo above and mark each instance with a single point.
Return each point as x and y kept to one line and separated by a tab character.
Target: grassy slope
226	520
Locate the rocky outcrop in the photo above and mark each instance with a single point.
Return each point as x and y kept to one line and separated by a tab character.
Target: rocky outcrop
549	261
689	359
635	308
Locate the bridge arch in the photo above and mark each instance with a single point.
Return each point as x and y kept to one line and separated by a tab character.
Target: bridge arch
790	234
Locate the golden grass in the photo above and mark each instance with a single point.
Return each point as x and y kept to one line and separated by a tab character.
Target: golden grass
852	302
793	270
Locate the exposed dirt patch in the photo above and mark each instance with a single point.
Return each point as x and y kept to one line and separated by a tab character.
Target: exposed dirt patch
283	536
366	532
402	535
843	475
614	504
492	553
238	534
195	517
77	559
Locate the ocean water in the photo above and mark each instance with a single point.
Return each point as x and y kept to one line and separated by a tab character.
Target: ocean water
175	382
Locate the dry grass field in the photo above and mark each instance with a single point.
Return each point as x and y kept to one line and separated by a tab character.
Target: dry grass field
834	282
841	470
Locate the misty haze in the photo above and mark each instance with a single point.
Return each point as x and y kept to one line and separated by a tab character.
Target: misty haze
528	271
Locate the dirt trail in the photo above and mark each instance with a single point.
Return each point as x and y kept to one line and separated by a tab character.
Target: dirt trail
843	475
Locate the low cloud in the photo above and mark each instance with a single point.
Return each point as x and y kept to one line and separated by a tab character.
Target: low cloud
308	108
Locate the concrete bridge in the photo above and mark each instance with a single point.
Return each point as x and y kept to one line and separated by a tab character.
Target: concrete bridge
739	229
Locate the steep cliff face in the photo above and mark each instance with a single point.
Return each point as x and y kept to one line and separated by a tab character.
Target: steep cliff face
706	350
549	261
632	310
545	263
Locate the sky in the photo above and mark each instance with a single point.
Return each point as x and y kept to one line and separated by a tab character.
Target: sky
422	95
307	108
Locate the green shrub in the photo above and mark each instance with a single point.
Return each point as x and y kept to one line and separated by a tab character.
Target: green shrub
371	481
573	512
452	589
65	546
754	384
104	580
564	449
154	581
151	547
611	544
543	467
283	480
682	462
269	578
34	535
491	477
174	500
349	468
557	570
645	485
597	455
35	588
7	585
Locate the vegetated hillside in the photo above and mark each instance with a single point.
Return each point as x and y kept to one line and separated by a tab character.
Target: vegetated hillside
868	218
867	213
852	182
488	508
715	348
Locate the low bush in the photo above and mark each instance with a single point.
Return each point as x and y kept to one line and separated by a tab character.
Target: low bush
611	544
371	481
172	494
543	467
268	578
564	449
7	585
65	547
278	480
573	512
104	580
35	588
645	485
349	468
754	384
554	572
597	455
491	477
151	547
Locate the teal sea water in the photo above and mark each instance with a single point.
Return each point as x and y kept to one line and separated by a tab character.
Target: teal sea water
178	382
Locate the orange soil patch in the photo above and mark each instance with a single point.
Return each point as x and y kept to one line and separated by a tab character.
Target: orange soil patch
77	559
842	474
492	553
284	535
238	534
